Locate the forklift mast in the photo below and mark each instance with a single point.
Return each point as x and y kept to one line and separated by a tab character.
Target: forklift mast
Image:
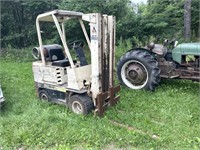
102	35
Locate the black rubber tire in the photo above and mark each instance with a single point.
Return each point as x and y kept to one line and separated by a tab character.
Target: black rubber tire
43	95
148	64
2	105
83	101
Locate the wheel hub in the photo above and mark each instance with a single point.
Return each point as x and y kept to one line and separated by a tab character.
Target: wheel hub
132	74
77	107
135	74
44	97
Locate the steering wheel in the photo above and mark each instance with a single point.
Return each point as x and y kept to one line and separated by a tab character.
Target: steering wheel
76	44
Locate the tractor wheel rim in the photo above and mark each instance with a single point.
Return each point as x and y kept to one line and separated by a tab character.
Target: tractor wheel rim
77	107
134	74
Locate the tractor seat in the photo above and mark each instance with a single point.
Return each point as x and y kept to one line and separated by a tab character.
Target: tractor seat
160	50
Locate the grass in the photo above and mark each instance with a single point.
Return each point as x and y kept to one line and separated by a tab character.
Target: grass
166	119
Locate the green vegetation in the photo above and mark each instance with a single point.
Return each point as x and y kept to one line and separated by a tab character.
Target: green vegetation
166	119
154	21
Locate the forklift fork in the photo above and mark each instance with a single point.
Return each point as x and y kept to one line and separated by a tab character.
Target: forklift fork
105	99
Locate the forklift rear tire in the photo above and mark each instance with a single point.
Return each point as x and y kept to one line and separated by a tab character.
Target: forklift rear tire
81	104
43	95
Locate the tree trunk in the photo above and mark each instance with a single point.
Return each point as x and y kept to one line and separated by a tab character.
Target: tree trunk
187	20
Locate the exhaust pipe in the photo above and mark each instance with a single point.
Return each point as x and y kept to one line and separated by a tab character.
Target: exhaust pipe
37	55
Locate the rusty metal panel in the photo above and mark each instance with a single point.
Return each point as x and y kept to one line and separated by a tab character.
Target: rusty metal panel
108	51
105	54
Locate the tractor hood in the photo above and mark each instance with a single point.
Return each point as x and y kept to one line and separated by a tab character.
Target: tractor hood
192	47
185	49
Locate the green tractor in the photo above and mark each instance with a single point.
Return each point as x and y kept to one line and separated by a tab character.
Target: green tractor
142	68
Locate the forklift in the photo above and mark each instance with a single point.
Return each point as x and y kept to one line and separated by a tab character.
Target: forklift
82	86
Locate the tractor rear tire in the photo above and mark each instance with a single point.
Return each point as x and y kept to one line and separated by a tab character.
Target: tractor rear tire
137	69
81	104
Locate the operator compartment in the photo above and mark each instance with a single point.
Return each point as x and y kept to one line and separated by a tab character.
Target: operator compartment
57	69
52	53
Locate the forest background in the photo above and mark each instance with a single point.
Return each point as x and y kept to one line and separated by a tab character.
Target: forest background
139	23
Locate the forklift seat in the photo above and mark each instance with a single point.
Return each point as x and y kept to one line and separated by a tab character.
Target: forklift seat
56	55
58	58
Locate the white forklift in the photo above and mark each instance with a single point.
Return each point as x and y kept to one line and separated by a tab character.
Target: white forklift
81	86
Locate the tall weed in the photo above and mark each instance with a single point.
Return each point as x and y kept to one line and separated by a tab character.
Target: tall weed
17	55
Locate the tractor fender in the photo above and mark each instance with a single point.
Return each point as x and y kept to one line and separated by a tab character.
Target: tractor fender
144	50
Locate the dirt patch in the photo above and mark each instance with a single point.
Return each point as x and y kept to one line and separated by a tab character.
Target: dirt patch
130	128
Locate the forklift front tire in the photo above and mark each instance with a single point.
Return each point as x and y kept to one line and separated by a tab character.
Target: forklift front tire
80	104
43	95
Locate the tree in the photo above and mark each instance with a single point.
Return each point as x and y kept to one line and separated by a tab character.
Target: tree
158	19
18	21
118	8
187	20
195	19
